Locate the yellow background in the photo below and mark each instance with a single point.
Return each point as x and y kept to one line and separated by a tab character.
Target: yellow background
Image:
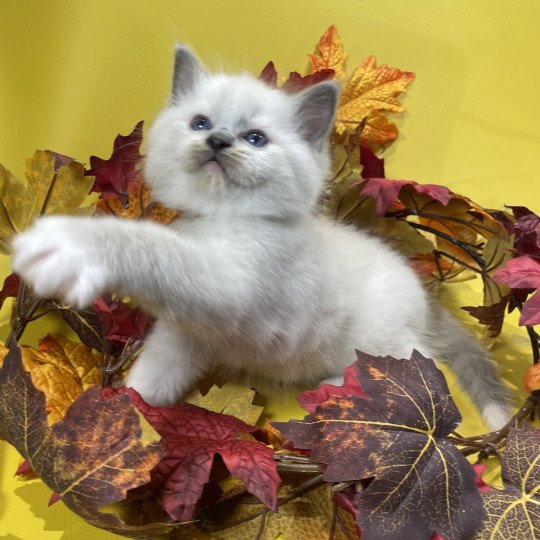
74	73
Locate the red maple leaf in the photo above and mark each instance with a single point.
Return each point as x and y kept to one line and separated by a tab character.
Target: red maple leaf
386	192
527	231
192	438
296	82
311	399
523	273
269	74
114	175
121	322
10	288
372	166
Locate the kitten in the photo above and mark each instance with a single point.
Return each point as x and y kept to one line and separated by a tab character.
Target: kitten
250	278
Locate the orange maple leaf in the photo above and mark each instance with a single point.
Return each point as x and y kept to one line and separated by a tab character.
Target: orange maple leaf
139	206
61	369
332	55
371	90
531	380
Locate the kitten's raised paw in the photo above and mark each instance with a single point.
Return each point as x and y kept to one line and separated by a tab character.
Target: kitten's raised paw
58	257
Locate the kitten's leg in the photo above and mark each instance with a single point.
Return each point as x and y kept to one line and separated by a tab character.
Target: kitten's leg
170	363
476	372
77	259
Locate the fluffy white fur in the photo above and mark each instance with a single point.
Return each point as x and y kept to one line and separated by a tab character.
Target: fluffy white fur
250	278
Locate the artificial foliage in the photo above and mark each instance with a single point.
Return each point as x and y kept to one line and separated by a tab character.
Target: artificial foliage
380	455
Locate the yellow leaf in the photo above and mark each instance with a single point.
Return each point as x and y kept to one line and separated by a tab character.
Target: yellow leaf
370	90
140	205
306	516
230	399
61	369
332	55
47	190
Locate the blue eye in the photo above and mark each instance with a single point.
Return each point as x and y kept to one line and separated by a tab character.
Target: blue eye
256	138
200	123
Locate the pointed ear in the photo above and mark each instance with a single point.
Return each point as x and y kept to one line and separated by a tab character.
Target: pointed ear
315	110
187	71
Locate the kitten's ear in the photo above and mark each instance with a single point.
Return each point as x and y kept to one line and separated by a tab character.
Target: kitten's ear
315	110
187	71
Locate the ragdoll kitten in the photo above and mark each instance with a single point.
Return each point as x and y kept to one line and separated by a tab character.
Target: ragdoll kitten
250	278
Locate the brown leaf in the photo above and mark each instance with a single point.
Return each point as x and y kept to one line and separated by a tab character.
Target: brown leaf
51	187
392	428
91	458
491	316
514	512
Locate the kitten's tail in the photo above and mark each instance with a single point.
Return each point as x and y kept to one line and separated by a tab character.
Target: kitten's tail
471	362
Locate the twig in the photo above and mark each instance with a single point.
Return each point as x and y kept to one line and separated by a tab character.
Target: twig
491	443
112	366
24	313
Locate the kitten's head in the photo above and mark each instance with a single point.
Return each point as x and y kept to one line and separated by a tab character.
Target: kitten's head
234	145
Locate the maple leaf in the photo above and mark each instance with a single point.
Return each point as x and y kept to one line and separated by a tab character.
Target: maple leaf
395	435
531	381
527	233
10	289
425	264
137	205
232	399
114	175
51	187
514	512
121	322
386	192
193	437
370	90
331	54
307	516
269	74
85	322
491	316
91	458
297	82
523	273
372	166
61	369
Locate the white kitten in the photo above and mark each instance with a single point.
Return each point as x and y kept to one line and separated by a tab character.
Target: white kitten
250	278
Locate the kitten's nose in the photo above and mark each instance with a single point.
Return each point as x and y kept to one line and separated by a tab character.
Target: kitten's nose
220	139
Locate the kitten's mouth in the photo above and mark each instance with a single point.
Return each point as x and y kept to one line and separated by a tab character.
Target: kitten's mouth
214	167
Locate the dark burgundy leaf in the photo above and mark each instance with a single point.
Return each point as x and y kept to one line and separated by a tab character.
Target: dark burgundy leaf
121	322
296	83
269	74
10	288
114	175
396	436
386	192
373	167
491	316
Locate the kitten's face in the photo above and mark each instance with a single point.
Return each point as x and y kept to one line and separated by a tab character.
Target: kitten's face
232	144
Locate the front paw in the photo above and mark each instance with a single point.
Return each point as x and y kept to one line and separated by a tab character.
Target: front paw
60	257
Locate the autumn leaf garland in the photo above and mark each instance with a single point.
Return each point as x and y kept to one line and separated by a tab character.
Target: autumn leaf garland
381	447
